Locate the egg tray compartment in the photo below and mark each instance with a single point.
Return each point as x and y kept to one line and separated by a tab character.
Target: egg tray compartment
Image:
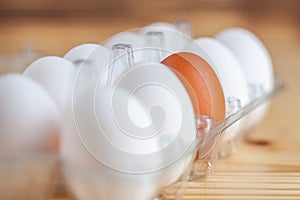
32	177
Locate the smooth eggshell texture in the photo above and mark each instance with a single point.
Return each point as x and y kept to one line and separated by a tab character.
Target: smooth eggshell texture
201	82
29	118
256	63
83	142
252	54
56	75
92	179
203	87
231	76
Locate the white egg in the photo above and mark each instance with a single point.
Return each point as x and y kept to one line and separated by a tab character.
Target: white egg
106	181
255	62
29	118
231	77
82	144
253	56
127	163
56	75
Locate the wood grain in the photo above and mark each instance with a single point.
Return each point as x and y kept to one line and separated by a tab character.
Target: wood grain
267	164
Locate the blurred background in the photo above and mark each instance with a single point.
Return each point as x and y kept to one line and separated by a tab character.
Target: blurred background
147	9
54	26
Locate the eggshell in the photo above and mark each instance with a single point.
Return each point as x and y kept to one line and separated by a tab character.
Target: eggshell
201	82
56	75
106	142
252	54
231	76
255	61
29	119
142	83
203	87
86	175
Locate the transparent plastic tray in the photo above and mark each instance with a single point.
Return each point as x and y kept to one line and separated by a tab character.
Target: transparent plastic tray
43	176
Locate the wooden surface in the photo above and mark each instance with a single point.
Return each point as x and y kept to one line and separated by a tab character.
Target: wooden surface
267	165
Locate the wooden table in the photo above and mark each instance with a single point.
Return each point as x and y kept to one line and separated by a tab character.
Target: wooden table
267	165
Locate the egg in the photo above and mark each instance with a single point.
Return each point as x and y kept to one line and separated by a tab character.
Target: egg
56	75
201	82
255	62
88	176
158	153
203	86
231	77
252	54
29	118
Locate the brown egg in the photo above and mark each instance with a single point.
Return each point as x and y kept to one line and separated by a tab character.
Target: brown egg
203	86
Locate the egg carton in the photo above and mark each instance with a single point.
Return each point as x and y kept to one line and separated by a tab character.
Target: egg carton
161	177
36	177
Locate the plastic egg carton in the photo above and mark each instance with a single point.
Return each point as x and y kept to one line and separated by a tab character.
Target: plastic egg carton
36	177
88	167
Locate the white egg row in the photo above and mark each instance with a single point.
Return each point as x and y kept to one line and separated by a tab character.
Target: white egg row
116	110
240	60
